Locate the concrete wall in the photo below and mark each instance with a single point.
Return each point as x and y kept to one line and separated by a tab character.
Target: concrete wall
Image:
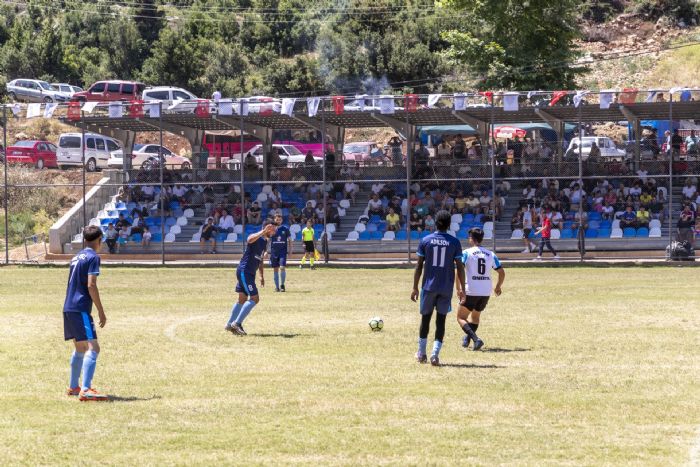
71	223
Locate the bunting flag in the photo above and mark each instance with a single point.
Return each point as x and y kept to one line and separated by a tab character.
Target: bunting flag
312	104
339	104
175	103
116	110
288	106
360	99
386	105
33	110
410	102
579	97
686	95
433	99
202	109
651	96
488	95
606	98
225	107
154	109
88	107
510	101
135	109
73	111
531	93
16	109
50	109
629	95
556	97
460	102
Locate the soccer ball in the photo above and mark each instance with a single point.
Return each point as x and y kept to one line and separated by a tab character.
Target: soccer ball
376	323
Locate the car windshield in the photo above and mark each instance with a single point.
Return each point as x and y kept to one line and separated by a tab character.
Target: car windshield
355	148
24	144
137	147
69	142
293	151
45	85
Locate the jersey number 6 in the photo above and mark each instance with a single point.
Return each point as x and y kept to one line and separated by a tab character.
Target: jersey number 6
481	266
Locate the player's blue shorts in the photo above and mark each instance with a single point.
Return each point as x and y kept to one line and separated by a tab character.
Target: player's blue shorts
278	260
246	284
430	301
78	326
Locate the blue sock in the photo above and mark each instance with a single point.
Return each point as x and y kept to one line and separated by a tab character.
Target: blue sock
76	364
283	272
437	345
89	364
422	344
245	311
276	274
234	313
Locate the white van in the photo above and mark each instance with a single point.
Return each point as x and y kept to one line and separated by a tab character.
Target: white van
175	99
97	150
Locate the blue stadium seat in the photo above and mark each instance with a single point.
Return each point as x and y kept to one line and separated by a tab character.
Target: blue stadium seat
120	206
629	232
174	204
401	235
591	233
605	224
603	233
137	237
424	234
594	225
365	236
415	235
478	218
467	218
372	227
106	221
642	232
156	237
567	225
376	235
318	227
463	233
567	233
594	216
170	221
375	218
221	236
130	206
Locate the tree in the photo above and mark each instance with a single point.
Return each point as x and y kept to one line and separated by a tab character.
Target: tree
513	44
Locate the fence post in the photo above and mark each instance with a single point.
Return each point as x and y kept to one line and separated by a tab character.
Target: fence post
492	150
82	150
325	193
670	175
240	165
162	188
409	159
7	200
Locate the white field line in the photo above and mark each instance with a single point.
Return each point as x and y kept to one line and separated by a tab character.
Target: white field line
171	333
694	460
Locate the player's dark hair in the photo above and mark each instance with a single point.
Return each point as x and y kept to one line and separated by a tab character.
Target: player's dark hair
476	234
443	219
266	223
92	233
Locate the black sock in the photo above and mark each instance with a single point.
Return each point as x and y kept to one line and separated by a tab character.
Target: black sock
469	331
424	326
474	326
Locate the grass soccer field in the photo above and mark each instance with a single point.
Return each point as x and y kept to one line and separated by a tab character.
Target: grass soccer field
582	366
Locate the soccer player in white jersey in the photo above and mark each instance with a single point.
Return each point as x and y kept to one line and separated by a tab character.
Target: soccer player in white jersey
478	262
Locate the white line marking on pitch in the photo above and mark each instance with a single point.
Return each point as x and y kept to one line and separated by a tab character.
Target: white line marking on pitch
171	333
695	450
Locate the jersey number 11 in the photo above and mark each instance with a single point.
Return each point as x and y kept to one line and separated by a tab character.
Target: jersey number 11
439	253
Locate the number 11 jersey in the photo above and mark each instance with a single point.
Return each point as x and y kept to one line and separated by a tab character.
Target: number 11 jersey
478	262
439	251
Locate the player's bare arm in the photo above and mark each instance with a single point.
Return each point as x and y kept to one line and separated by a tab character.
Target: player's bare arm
267	231
95	296
416	278
460	279
501	278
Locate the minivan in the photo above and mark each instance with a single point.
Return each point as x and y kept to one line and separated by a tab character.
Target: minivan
109	91
97	150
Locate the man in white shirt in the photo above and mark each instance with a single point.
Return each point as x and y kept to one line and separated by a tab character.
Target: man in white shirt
374	206
350	190
689	190
377	188
216	96
226	223
179	191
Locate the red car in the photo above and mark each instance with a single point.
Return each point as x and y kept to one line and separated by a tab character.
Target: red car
109	91
38	154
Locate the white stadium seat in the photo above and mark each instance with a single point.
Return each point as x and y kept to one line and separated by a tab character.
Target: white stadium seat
313	203
457	218
262	197
488	226
352	236
341	212
344	203
516	235
654	224
188	213
330	228
452	232
238	229
454	226
182	221
488	234
170	238
195	237
360	227
616	233
175	229
616	224
267	189
295	228
555	234
230	238
389	236
655	232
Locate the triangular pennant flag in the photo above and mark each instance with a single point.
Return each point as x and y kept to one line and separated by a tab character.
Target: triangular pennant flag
288	106
488	95
360	99
16	108
433	99
88	107
33	110
510	102
651	95
606	98
556	97
175	103
686	95
386	105
531	93
312	105
226	107
460	102
153	109
116	110
579	97
50	109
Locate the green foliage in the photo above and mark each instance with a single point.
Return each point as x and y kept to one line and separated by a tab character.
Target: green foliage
686	10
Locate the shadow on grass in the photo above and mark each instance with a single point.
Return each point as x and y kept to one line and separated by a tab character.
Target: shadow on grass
113	398
468	365
282	335
499	350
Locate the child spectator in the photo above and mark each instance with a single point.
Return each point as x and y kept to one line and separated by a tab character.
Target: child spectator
111	237
123	238
254	214
629	218
207	235
146	238
393	221
416	222
429	223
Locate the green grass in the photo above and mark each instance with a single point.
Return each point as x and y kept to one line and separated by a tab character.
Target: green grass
582	367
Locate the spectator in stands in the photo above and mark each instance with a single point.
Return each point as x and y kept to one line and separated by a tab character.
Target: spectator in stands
691	143
459	148
484	201
320	213
122	223
685	225
656	208
676	142
580	220
395	204
377	188
429	223
237	214
643	217
333	213
147	193
275	210
345	172
395	146
226	223
636	190
577	194
557	219
350	189
429	202
111	237
309	160
629	218
254	214
689	190
374	206
460	203
208	235
607	211
393	221
250	164
308	213
572	153
295	215
416	222
123	194
123	238
594	155
444	150
146	237
216	212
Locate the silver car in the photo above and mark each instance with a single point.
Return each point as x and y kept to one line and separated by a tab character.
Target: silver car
34	90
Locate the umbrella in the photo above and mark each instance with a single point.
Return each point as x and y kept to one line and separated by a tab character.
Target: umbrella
508	132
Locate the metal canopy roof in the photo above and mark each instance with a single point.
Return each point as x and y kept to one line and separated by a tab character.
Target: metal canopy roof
421	117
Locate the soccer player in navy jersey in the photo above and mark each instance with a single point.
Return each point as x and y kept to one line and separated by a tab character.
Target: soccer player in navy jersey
78	325
251	262
439	254
280	247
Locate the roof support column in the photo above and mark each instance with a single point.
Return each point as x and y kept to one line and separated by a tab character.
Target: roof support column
637	130
558	127
481	126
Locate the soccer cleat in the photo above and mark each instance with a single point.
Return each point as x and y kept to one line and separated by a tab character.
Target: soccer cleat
478	344
526	250
239	329
533	247
301	266
73	391
557	257
465	341
313	267
92	395
539	258
276	289
282	289
434	360
230	329
421	357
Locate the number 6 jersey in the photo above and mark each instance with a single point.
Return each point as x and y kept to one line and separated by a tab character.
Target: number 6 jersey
478	262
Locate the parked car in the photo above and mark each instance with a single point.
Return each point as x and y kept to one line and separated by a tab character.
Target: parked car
147	154
34	90
362	151
288	154
65	88
97	150
608	149
33	153
110	91
169	96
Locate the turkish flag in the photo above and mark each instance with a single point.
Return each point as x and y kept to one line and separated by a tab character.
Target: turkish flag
338	104
556	97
